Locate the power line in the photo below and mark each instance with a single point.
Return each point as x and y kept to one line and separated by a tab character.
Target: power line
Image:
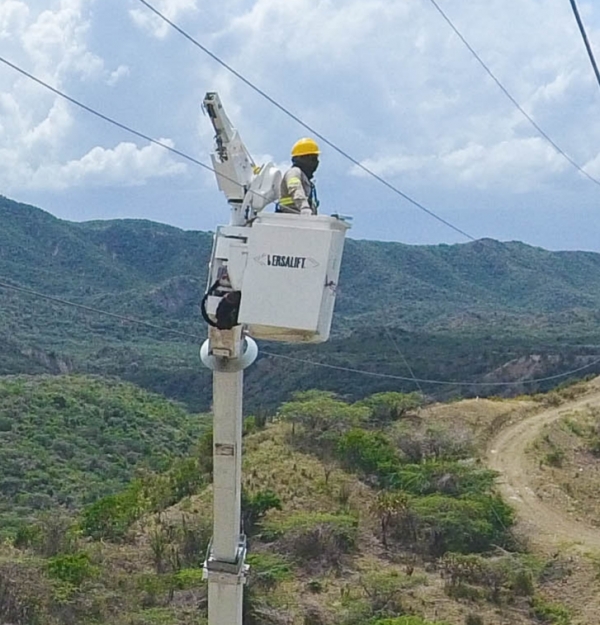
203	165
64	302
427	381
510	97
89	109
114	122
297	119
110	120
397	347
584	36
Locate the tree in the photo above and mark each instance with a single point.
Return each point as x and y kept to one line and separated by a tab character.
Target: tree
320	416
370	453
389	507
391	406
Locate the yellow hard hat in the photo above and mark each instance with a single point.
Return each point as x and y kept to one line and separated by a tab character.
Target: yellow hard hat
305	146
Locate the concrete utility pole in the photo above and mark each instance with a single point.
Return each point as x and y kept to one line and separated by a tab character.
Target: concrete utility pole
225	565
272	276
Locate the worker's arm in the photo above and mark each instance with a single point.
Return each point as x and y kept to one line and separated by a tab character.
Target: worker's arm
295	188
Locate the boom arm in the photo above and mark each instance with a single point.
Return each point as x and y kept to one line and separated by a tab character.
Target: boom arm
231	161
248	188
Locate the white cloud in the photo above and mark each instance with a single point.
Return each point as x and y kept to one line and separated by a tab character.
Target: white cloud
393	85
48	132
125	165
522	164
52	45
114	77
40	134
307	29
56	42
392	165
13	16
389	82
592	167
148	21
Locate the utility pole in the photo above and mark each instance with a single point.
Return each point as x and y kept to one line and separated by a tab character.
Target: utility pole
271	276
225	565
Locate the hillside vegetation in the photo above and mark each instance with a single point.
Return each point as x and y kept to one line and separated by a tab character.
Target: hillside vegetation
68	440
483	311
376	512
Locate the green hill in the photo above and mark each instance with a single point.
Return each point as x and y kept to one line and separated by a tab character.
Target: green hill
454	312
67	440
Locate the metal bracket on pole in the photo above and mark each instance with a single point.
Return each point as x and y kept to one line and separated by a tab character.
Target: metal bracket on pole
220	341
220	566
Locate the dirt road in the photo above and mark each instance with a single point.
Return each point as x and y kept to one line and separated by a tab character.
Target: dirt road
547	525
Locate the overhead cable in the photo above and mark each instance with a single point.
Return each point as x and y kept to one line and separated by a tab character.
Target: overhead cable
401	354
584	36
114	122
297	119
110	120
436	382
64	302
511	98
6	285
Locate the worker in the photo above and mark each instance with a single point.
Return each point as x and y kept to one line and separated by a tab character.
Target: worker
298	193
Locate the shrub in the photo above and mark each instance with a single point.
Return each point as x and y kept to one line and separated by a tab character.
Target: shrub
434	443
391	406
315	586
27	535
193	538
552	613
496	579
185	478
23	593
594	446
250	425
464	524
370	453
385	590
50	535
268	569
555	457
317	412
185	579
406	620
72	568
522	583
313	539
157	589
110	517
441	476
205	453
552	399
254	507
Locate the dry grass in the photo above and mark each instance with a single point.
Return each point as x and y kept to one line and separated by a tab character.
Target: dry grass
567	473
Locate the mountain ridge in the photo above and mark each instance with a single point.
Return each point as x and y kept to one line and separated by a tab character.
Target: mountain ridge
458	311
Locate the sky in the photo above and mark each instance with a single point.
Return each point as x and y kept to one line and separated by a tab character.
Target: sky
387	81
